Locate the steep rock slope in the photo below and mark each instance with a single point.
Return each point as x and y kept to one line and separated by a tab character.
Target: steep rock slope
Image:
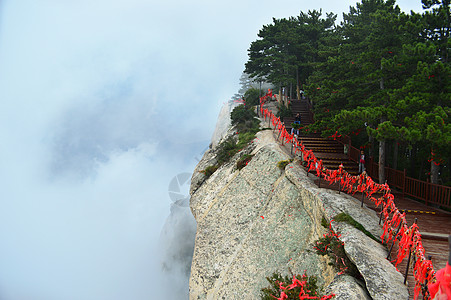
260	220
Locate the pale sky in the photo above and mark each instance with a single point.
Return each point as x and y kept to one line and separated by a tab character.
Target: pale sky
102	103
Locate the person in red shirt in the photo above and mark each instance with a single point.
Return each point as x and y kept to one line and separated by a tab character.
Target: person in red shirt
362	162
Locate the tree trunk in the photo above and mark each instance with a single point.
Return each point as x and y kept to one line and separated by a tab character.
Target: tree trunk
434	172
388	151
395	154
285	95
382	143
382	162
371	152
412	158
298	90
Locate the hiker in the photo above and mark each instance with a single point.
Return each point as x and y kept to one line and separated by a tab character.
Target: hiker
362	162
302	94
297	118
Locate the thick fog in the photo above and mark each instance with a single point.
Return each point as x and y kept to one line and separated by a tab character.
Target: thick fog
105	109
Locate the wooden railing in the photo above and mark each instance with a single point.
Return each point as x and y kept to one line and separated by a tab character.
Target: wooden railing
421	190
418	189
441	194
396	177
354	154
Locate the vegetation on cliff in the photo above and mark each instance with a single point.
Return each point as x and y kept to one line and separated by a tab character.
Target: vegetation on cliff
329	244
294	287
344	217
283	163
247	125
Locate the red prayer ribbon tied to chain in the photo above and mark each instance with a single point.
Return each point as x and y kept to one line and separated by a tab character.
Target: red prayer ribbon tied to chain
409	237
434	159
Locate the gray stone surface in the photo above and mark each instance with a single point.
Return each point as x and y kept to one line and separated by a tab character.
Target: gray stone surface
251	223
382	279
259	220
347	288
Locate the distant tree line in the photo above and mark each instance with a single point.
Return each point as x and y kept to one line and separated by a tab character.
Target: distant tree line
382	76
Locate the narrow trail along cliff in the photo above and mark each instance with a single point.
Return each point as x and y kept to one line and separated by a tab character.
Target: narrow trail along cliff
261	219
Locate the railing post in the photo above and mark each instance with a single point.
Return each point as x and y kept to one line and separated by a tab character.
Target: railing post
424	287
396	234
319	183
349	147
363	197
427	191
404	184
380	217
382	209
410	255
370	163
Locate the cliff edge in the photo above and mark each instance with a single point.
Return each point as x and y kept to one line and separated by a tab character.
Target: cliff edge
261	219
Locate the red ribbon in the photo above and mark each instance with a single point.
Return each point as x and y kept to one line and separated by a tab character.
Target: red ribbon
409	236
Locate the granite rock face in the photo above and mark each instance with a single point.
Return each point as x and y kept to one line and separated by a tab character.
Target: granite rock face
348	288
382	279
260	220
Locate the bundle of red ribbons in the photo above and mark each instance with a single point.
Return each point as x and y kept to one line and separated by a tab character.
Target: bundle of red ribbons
395	225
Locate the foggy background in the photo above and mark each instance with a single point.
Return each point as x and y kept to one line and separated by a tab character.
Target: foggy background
103	104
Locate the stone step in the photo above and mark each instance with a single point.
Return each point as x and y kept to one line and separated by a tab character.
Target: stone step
319	144
313	140
335	147
338	162
324	150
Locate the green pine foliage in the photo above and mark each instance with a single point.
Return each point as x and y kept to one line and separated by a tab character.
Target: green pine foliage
286	49
244	119
252	96
381	76
241	114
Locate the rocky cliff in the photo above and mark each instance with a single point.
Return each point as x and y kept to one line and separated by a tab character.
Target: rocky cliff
261	219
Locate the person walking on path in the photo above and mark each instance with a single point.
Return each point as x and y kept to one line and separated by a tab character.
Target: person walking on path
362	162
